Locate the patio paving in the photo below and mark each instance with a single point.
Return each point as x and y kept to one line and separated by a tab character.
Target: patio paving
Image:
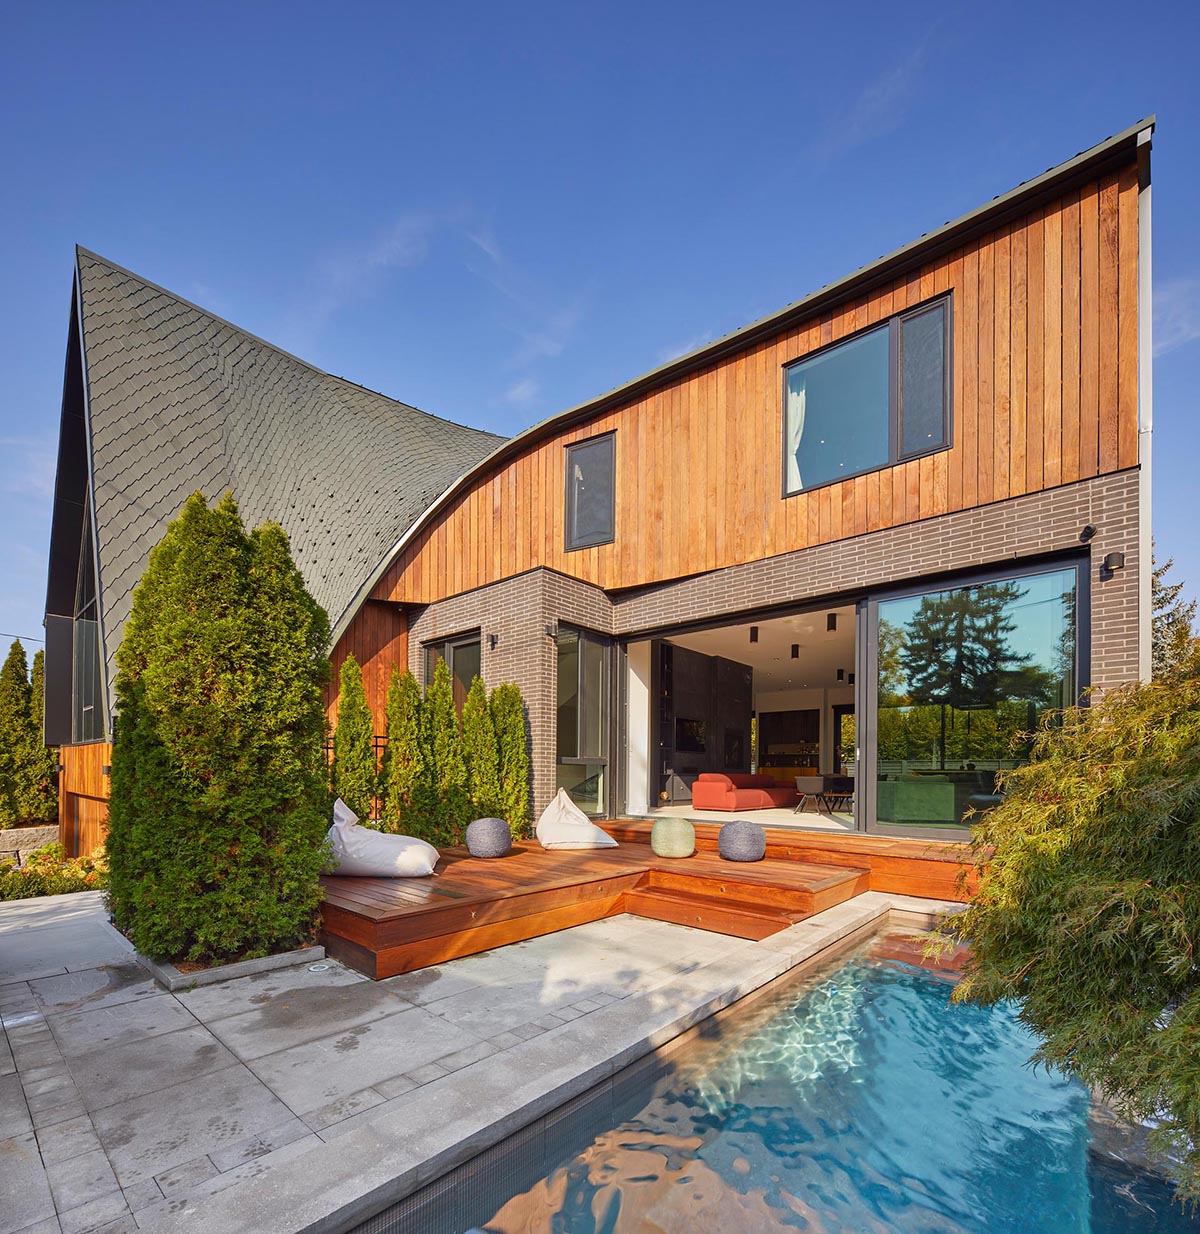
126	1107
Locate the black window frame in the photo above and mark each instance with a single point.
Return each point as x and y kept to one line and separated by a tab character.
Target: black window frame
894	325
571	542
608	732
439	646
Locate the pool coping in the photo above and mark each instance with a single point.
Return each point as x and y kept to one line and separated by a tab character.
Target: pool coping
335	1188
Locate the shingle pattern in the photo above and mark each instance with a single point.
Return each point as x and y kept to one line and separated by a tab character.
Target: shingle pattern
181	401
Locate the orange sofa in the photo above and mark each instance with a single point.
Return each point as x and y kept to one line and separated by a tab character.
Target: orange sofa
713	791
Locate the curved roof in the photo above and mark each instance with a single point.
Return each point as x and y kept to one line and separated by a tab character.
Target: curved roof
179	400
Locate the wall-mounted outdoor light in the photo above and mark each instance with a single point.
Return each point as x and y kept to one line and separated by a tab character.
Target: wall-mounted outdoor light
552	629
1087	533
1111	564
493	639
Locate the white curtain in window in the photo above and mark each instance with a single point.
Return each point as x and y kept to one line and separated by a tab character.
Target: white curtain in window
795	431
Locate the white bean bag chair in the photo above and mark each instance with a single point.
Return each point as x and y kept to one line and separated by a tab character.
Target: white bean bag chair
564	825
361	852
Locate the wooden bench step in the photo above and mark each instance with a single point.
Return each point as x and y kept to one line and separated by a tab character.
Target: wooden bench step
719	914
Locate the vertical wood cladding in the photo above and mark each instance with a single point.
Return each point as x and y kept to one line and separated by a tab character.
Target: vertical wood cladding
378	639
1044	388
83	797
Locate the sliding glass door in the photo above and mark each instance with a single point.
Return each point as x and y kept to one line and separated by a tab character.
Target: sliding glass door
957	681
585	674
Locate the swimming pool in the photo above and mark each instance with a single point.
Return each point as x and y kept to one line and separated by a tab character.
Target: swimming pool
856	1099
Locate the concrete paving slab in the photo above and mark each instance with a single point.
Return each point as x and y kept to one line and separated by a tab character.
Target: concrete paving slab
80	1180
157	1131
78	1032
299	1013
488	970
230	998
72	1138
315	1073
115	1074
14	1110
27	1197
93	988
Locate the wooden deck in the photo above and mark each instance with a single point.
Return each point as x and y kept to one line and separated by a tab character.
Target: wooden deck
383	927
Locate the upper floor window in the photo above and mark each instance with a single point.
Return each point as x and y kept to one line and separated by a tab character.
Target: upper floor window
875	399
591	500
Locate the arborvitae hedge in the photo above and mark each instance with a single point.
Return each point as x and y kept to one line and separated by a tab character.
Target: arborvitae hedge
353	743
481	753
43	783
444	751
27	768
219	781
14	733
508	719
405	780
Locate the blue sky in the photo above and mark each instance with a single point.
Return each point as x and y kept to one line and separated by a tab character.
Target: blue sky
496	211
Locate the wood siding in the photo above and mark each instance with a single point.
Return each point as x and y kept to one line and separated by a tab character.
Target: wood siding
378	639
1044	393
83	797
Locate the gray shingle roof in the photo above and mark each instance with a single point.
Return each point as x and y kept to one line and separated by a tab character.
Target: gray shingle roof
180	401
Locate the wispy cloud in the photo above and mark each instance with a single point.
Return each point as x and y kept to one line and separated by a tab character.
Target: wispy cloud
542	326
344	275
673	353
522	392
879	107
1176	314
29	465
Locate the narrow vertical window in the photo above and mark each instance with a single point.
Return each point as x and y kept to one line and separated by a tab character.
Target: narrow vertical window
590	495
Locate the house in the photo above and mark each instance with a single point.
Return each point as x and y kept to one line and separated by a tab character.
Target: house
861	545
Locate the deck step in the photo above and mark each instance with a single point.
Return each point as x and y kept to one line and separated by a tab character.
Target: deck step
806	890
720	914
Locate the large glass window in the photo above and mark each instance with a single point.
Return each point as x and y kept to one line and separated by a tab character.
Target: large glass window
584	710
591	492
463	657
874	399
87	688
964	677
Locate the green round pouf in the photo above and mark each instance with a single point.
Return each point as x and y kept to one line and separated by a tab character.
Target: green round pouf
672	837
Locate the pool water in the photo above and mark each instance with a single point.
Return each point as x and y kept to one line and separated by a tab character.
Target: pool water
857	1100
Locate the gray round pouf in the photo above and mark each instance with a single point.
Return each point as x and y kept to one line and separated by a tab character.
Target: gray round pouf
742	840
488	837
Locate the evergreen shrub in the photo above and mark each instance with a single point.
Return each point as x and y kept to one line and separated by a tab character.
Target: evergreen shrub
219	791
446	790
508	719
354	743
481	753
406	787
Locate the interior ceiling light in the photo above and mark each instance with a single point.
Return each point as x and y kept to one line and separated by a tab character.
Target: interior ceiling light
754	634
831	622
841	674
795	651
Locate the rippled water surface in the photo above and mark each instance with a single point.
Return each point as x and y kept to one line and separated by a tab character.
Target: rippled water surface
859	1101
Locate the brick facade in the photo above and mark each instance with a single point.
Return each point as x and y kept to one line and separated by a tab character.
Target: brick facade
520	611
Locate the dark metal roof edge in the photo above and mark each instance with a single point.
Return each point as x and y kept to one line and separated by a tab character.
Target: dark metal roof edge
199	308
980	219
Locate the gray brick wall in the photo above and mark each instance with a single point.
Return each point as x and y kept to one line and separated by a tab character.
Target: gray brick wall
518	611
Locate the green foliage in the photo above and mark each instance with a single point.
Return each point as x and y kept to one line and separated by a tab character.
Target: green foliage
27	769
481	753
353	743
1088	912
219	789
1174	620
47	873
508	719
443	750
406	785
